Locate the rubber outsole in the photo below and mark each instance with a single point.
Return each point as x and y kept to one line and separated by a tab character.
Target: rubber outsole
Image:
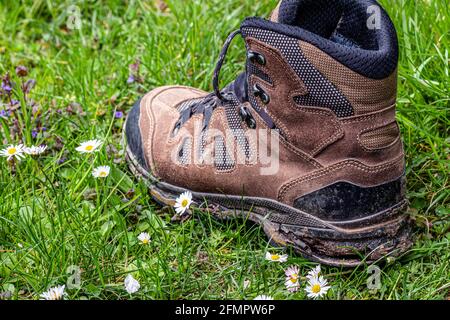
342	244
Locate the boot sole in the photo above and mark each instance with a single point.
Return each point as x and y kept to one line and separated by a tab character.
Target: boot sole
342	244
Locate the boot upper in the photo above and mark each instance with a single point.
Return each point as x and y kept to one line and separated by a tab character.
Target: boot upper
319	85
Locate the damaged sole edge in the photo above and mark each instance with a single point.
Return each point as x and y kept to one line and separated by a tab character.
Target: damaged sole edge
348	244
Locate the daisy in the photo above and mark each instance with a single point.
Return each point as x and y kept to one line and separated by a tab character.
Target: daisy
35	150
263	297
55	293
144	238
317	287
276	257
101	172
89	146
13	151
314	273
292	283
131	284
183	202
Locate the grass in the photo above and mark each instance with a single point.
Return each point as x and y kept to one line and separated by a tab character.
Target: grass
53	214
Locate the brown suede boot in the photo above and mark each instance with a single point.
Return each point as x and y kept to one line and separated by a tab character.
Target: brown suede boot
305	142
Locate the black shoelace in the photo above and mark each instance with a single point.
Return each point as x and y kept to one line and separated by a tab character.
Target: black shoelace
208	104
223	54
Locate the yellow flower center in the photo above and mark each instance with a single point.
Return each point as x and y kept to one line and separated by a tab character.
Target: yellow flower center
102	174
12	151
145	241
294	278
275	257
316	288
184	203
89	148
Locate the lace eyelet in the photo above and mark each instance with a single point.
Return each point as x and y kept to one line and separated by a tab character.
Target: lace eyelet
257	57
243	113
251	123
265	98
247	117
259	92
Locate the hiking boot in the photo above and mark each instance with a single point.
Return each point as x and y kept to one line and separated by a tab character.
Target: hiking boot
305	142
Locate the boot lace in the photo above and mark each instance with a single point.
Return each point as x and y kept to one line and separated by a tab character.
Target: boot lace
206	105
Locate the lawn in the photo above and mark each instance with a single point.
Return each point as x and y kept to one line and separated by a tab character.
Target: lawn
55	217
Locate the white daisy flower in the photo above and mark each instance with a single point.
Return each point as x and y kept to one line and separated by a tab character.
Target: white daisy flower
101	172
144	238
55	293
317	287
292	278
13	151
89	146
276	257
263	297
35	150
314	273
183	202
131	284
